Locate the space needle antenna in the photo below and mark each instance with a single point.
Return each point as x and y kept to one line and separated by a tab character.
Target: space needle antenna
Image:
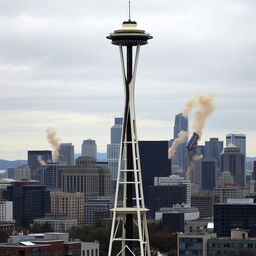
129	10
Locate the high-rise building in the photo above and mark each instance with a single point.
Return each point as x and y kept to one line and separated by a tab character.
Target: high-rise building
236	213
113	148
6	211
19	173
66	154
50	175
234	162
30	200
89	148
213	149
238	140
35	158
208	174
181	124
174	180
70	203
154	162
86	177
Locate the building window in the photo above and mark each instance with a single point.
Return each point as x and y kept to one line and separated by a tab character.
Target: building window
88	252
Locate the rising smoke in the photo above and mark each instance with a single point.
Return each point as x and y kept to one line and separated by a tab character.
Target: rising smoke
54	142
205	105
181	138
40	160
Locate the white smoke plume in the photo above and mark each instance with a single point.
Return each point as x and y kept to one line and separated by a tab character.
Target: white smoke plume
54	141
205	105
40	160
182	137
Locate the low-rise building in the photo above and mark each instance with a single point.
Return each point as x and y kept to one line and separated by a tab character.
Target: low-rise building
194	244
59	222
90	248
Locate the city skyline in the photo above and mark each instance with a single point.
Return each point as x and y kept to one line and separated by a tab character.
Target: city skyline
51	58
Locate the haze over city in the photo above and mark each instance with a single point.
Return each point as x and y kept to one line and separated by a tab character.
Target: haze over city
58	70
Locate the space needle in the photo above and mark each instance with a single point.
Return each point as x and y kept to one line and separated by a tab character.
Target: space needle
129	232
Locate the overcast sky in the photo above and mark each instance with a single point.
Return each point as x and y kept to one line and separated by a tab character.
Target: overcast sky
57	69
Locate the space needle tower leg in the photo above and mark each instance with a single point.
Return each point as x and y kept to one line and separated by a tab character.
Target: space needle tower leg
129	230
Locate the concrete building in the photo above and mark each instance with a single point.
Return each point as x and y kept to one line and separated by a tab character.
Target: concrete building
95	208
71	204
90	248
233	160
238	244
66	155
238	140
190	213
113	148
236	213
35	158
225	179
89	148
19	173
6	211
181	124
193	244
58	222
30	200
174	180
86	177
213	149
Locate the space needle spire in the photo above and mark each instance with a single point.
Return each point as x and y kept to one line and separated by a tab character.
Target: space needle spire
129	230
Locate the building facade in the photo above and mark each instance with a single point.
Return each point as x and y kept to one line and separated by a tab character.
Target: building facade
233	160
238	140
89	148
6	211
19	173
86	177
71	204
35	159
30	200
213	149
66	155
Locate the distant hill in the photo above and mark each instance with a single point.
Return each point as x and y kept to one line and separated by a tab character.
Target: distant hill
5	164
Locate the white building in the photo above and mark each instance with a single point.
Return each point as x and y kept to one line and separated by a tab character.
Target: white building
58	222
90	248
6	211
174	180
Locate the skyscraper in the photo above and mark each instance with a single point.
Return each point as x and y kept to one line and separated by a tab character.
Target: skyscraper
238	140
213	149
232	160
208	174
89	148
35	158
113	149
66	154
181	124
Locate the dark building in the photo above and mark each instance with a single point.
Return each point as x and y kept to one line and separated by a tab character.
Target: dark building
181	124
30	200
166	196
213	149
200	149
204	201
208	174
233	160
34	159
254	171
154	162
235	215
50	175
173	221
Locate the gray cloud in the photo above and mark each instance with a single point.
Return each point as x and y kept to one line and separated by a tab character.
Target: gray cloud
54	58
